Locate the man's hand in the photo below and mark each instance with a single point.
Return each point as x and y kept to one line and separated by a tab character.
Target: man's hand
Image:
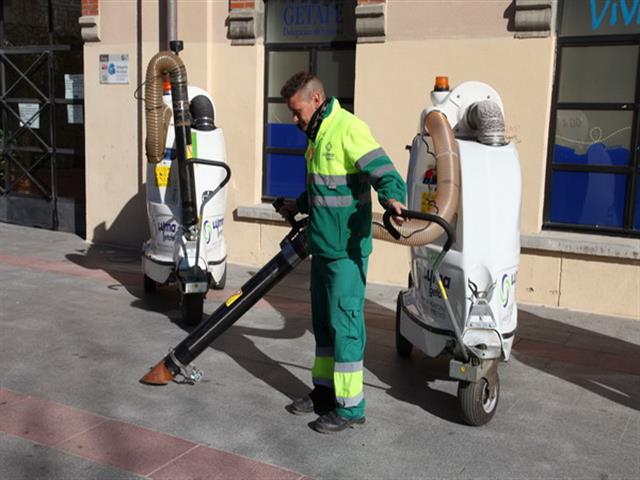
289	208
397	207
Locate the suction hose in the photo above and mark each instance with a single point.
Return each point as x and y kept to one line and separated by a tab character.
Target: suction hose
419	232
158	116
157	113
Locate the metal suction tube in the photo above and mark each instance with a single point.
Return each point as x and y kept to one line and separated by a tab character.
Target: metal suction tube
178	361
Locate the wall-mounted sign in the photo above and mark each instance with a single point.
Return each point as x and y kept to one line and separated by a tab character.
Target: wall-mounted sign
74	114
114	68
73	86
29	114
302	21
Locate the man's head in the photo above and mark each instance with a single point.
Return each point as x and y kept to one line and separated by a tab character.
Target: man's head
304	93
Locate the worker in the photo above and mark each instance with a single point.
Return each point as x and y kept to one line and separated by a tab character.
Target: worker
343	162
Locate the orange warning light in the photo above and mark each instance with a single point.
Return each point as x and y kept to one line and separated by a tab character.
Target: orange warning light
442	84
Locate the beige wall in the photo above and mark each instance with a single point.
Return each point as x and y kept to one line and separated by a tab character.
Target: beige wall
597	285
115	207
418	20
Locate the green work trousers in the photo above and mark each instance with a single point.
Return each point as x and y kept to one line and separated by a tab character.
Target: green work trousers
337	303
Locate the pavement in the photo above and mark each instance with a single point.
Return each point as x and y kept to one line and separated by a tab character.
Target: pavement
77	333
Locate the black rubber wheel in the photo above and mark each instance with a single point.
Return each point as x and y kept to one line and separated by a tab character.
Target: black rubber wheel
222	282
192	308
478	401
150	284
403	346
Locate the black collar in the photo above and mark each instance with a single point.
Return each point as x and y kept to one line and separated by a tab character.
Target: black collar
316	121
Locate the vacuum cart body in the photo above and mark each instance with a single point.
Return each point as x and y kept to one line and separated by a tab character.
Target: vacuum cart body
194	263
461	299
480	271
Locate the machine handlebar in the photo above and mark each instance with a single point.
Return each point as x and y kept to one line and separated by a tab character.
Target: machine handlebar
215	163
408	214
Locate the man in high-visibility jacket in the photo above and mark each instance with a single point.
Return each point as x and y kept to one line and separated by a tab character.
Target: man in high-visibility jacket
343	162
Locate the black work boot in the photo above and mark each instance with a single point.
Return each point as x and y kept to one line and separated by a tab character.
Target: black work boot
320	400
332	423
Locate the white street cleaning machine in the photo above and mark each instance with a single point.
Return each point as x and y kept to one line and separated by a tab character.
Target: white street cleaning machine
186	175
465	177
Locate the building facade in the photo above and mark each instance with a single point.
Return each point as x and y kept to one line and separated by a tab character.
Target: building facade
567	73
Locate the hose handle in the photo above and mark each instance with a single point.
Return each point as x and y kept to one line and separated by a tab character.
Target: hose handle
277	204
409	214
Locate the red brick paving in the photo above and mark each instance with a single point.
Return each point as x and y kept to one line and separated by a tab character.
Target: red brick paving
123	445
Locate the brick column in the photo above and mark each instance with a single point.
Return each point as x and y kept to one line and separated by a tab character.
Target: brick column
90	20
370	21
245	21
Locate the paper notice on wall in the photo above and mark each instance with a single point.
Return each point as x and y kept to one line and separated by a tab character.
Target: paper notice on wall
114	68
73	86
74	113
29	114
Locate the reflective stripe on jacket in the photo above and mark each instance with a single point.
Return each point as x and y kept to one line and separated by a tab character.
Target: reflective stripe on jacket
342	164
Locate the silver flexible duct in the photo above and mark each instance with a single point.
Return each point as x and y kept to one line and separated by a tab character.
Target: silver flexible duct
418	233
486	117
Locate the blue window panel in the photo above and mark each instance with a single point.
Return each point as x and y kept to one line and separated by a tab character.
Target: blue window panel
636	217
597	154
286	175
285	135
587	198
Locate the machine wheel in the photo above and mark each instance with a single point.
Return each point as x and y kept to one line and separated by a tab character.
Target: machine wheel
150	284
192	307
222	282
478	400
403	346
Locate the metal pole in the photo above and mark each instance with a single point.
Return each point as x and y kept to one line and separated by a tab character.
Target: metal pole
172	21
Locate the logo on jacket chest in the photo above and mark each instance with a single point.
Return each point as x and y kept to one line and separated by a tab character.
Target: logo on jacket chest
327	152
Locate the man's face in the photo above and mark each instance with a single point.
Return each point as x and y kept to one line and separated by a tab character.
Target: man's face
302	110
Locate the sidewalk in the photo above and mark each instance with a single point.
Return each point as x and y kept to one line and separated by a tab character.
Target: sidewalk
77	333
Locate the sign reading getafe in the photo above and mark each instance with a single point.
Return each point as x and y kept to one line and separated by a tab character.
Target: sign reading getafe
310	21
600	17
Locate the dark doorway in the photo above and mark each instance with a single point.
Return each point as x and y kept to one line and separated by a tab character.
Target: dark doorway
42	175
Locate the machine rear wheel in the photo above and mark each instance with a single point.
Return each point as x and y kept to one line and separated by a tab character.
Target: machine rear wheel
192	308
150	284
403	346
478	400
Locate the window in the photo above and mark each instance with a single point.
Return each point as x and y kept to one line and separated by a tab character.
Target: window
313	36
593	172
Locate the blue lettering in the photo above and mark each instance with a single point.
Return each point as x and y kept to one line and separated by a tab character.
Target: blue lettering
613	19
626	14
595	20
287	15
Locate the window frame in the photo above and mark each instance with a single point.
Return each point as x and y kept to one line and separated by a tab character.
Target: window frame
313	49
631	171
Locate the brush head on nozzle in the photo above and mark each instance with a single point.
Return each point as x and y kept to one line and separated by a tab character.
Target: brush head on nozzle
158	375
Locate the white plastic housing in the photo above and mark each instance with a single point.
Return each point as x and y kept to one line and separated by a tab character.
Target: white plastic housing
165	248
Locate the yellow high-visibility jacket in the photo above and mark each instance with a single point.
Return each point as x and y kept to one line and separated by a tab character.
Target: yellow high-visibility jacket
343	163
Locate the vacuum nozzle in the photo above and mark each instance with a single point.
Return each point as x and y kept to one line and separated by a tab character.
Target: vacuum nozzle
158	375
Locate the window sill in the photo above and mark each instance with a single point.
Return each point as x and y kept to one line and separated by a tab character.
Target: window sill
582	244
550	241
257	213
